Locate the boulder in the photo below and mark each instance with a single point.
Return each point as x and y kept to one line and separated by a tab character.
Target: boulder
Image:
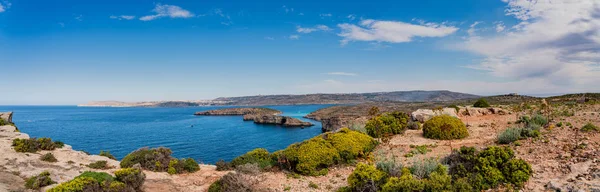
423	115
476	111
6	116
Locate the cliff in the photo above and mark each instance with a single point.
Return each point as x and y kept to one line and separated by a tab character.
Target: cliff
279	120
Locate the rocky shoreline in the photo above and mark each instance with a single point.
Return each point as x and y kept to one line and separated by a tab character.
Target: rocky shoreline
259	115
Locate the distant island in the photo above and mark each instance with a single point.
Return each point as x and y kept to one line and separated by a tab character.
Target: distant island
319	98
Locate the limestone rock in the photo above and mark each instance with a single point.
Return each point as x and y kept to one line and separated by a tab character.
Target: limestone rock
280	120
239	111
6	116
423	115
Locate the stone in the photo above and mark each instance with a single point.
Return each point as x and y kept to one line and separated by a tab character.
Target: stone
423	115
555	186
6	116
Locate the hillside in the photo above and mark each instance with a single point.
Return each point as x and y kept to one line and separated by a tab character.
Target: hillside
349	98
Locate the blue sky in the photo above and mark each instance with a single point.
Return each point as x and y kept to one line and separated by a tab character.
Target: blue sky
71	52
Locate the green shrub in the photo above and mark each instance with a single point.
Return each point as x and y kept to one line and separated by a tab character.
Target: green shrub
559	124
257	156
313	156
223	166
589	127
48	157
182	166
445	127
33	145
439	180
117	186
510	135
99	165
59	144
481	103
39	181
249	168
313	185
387	124
79	184
156	159
366	178
536	120
488	168
216	187
107	154
132	177
422	168
351	144
100	177
404	183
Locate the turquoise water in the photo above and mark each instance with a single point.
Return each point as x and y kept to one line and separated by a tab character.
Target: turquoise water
122	130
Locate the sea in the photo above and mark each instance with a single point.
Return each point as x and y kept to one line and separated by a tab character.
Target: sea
121	130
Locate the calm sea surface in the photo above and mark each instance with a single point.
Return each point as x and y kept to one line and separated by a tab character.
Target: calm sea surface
122	130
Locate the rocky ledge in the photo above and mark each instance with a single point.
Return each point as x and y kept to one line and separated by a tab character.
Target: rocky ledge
239	111
277	120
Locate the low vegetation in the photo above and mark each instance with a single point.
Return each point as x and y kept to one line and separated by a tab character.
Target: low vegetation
469	170
127	179
481	103
99	165
231	182
590	127
107	154
33	145
159	160
530	128
387	124
39	181
257	156
445	127
48	157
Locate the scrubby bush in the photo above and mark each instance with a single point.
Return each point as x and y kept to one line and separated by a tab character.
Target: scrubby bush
248	168
159	159
366	178
99	165
39	181
589	127
48	157
387	124
125	180
257	156
423	168
231	182
489	168
131	177
80	184
445	127
4	122
313	156
510	135
414	125
536	120
351	144
404	183
358	127
389	166
33	145
107	154
59	144
481	103
222	165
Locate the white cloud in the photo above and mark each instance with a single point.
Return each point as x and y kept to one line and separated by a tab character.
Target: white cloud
121	17
294	37
500	27
79	17
351	17
301	14
342	73
269	38
325	15
391	31
300	29
471	31
287	9
555	44
61	24
4	6
171	11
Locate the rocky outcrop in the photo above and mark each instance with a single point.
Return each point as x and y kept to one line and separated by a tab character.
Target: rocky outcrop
239	111
280	120
423	115
333	124
6	116
475	111
70	163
